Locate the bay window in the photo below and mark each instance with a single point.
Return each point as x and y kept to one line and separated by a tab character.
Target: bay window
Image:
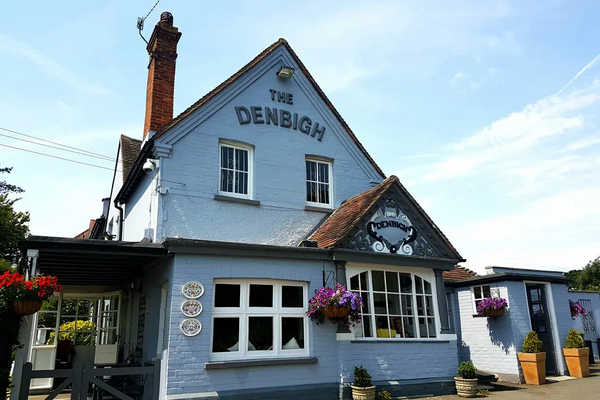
396	305
256	319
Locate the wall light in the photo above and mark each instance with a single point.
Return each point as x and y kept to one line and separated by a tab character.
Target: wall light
285	72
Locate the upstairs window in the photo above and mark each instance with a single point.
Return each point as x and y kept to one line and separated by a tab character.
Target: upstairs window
480	293
235	175
318	183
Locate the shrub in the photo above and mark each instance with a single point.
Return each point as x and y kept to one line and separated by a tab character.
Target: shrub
361	377
78	332
574	340
532	343
467	370
384	395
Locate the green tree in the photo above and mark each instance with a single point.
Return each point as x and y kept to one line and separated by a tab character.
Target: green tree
587	278
7	187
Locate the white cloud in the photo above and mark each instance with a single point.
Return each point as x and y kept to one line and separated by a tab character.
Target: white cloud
49	66
458	77
583	143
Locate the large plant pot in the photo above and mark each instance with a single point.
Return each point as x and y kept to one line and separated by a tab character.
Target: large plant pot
335	312
363	393
534	367
26	307
578	362
466	387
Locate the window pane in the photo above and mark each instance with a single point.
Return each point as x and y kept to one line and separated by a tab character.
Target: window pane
366	323
365	298
379	299
423	328
477	292
223	186
241	182
323	193
292	296
241	160
383	326
405	283
409	327
311	192
260	333
261	296
427	287
229	181
364	281
224	158
292	333
227	295
486	290
354	283
418	284
378	283
311	171
393	304
429	305
420	305
431	327
226	334
398	326
323	173
407	305
391	282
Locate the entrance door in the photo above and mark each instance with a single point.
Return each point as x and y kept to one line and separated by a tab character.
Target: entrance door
43	352
540	321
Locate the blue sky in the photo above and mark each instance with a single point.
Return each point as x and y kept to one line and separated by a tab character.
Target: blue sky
488	111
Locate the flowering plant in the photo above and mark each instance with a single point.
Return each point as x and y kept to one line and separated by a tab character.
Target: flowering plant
13	286
488	304
327	298
576	309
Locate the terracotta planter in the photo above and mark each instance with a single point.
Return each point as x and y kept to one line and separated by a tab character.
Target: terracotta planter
493	312
534	367
578	362
335	312
26	307
363	393
466	387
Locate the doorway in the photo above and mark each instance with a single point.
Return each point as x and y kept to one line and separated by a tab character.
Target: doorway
540	321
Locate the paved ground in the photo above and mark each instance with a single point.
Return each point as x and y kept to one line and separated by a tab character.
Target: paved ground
563	389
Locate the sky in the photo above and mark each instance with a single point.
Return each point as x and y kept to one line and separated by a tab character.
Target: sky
487	111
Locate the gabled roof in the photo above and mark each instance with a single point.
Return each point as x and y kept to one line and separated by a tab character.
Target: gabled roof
130	148
281	42
345	218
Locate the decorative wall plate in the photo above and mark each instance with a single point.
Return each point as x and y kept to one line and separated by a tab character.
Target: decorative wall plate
192	290
191	308
190	327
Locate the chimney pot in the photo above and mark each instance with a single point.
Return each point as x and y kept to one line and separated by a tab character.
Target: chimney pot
166	19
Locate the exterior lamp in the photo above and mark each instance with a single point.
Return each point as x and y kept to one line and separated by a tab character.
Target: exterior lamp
285	72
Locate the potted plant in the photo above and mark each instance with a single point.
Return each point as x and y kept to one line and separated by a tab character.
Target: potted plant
362	389
577	355
492	307
340	305
576	309
26	296
466	381
384	395
533	360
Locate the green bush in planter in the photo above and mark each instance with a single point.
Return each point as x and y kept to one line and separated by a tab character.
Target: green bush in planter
532	343
362	377
467	370
574	340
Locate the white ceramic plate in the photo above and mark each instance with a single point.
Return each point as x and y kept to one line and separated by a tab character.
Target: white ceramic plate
192	290
190	327
191	308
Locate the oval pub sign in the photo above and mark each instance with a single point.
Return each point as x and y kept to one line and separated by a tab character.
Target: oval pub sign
392	232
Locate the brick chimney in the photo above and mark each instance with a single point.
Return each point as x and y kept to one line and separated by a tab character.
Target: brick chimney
162	50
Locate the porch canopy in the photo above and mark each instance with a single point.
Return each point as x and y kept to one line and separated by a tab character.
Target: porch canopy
88	262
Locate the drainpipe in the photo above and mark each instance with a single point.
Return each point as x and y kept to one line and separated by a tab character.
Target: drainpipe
118	207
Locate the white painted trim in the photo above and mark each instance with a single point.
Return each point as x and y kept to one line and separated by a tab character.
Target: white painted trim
192	396
163	311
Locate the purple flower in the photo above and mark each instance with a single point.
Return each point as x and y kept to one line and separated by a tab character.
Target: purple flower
490	303
339	297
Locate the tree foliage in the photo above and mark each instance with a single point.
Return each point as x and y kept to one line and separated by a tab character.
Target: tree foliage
587	278
7	187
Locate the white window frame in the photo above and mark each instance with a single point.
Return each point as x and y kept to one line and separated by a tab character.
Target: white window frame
476	299
426	274
329	164
163	320
250	150
244	312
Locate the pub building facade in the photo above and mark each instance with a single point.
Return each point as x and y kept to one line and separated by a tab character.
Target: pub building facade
225	220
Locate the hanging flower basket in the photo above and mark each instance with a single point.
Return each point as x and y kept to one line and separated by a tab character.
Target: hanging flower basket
335	312
493	312
576	309
26	307
490	307
339	305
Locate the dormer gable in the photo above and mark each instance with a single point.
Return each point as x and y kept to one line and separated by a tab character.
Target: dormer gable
385	219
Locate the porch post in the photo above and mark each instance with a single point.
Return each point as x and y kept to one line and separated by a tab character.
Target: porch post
442	304
340	277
